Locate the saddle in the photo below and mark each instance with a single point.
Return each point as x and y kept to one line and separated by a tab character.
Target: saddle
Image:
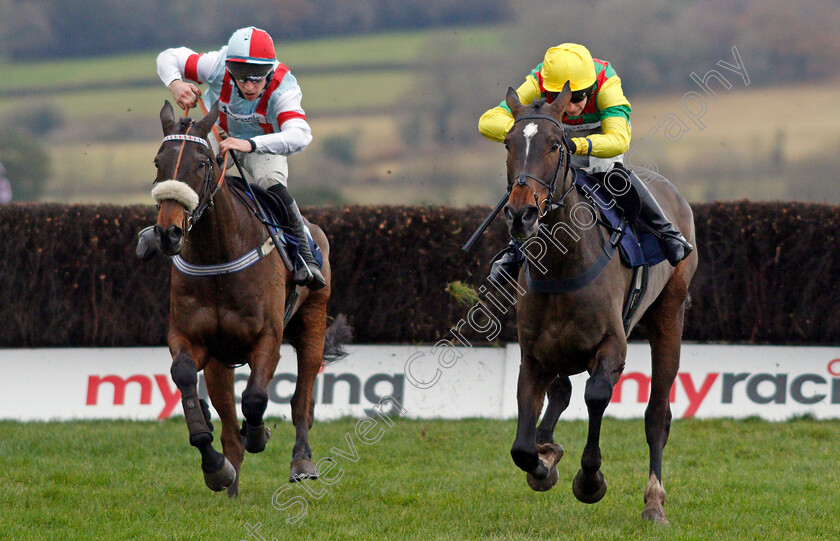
278	218
638	246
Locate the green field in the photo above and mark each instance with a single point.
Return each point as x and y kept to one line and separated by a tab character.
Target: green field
360	51
381	97
423	480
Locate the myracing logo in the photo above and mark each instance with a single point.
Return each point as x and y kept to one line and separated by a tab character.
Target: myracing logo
330	388
737	387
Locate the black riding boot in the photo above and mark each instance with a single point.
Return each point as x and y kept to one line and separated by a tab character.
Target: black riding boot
506	261
672	242
307	272
147	243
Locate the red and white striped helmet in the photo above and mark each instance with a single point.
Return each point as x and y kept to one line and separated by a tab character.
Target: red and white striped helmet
251	46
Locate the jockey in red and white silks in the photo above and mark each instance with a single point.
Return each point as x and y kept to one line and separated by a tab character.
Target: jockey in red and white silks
275	122
260	111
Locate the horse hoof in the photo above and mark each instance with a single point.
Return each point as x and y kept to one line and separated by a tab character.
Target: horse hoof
656	514
549	455
256	438
588	492
221	478
302	469
542	485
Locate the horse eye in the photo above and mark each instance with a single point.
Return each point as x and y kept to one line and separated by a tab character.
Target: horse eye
507	145
555	147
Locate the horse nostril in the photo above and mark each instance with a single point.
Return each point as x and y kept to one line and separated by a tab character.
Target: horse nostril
174	234
529	215
509	214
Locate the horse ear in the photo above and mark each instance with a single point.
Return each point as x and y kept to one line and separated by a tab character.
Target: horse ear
513	103
167	118
558	106
204	125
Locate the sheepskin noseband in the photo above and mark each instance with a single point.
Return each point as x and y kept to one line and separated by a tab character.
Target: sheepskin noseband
176	191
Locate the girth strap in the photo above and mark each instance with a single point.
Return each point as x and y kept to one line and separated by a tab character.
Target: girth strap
571	284
225	268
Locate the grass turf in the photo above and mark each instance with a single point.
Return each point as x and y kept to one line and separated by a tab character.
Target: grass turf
423	480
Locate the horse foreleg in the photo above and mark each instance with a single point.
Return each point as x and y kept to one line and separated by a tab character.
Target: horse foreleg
219	381
589	485
263	362
219	473
530	394
308	342
559	395
665	333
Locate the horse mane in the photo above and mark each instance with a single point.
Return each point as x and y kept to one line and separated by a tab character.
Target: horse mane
538	103
184	124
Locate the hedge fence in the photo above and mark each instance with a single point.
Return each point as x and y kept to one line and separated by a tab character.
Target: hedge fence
769	273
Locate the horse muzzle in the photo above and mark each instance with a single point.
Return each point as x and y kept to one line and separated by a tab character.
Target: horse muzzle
522	222
171	239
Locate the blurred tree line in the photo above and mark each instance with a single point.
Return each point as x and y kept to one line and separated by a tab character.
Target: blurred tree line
779	41
782	41
35	29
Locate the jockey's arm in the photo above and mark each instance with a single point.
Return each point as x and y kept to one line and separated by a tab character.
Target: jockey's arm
295	133
495	123
294	136
179	65
184	63
615	124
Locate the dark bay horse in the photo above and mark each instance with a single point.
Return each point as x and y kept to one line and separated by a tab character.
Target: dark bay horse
577	330
234	317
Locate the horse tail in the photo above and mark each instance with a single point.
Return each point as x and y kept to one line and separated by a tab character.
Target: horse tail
338	334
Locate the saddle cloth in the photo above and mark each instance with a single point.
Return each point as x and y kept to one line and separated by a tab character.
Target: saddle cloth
278	219
638	246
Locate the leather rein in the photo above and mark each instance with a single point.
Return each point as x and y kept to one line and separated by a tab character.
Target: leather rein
609	248
522	178
209	190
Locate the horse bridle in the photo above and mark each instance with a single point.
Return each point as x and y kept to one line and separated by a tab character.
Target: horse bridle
208	190
522	178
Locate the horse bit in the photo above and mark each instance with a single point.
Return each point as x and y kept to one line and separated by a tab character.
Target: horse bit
522	178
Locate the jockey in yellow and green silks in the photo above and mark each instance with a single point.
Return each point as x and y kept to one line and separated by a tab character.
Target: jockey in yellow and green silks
597	121
598	116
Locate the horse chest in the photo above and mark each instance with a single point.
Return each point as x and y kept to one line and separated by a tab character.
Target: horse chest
564	344
219	318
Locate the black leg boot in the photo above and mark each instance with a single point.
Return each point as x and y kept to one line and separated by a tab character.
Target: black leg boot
672	242
147	243
307	272
505	261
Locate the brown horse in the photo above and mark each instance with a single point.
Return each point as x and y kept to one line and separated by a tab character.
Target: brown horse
234	314
581	329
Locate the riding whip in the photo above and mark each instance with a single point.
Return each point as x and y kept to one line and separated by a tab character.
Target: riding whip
286	260
486	223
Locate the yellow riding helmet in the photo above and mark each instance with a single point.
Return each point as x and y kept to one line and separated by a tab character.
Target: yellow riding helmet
567	62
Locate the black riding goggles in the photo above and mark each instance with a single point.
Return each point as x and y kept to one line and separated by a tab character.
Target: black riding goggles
577	96
255	79
248	73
